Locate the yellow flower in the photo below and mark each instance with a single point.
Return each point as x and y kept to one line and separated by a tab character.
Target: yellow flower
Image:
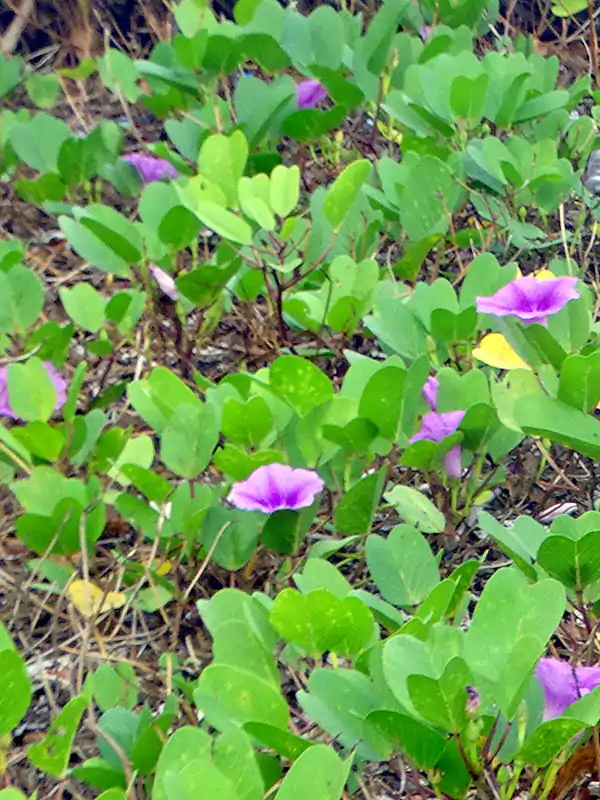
495	351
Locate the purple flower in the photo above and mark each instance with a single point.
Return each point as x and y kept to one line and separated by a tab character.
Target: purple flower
309	94
529	299
436	427
564	684
274	487
151	168
59	383
430	392
164	282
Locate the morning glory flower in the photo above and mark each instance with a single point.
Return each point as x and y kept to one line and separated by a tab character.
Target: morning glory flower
309	94
59	383
529	299
274	487
151	168
563	684
435	427
164	281
430	392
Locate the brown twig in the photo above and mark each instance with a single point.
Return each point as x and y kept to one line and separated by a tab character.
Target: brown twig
10	39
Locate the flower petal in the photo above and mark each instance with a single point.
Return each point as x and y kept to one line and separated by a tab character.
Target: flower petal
495	351
430	392
164	282
436	427
274	487
310	93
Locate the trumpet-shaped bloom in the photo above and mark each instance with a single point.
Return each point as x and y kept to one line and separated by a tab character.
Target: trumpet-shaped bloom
151	168
59	383
529	299
274	487
435	427
309	94
430	392
164	281
563	684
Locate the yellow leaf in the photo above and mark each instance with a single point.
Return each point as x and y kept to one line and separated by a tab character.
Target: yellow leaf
161	568
495	351
544	275
89	599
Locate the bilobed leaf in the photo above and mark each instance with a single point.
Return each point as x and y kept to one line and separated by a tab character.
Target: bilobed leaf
188	441
579	384
318	774
31	393
576	564
344	191
285	189
402	565
85	305
182	747
416	509
16	692
222	161
224	222
540	415
511	625
354	512
319	621
230	695
52	754
300	382
381	400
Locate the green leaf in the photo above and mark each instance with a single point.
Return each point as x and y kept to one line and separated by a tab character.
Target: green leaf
230	696
115	686
468	97
91	248
222	161
539	415
300	382
182	748
224	222
43	90
421	743
16	689
338	701
23	299
85	305
377	42
402	565
37	142
247	422
579	384
344	191
188	441
234	756
381	400
354	513
416	509
442	701
285	190
511	625
547	741
320	621
52	754
31	393
317	774
576	564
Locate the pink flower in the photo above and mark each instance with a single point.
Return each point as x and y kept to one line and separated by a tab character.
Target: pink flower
436	427
274	487
309	94
151	168
430	392
59	383
563	684
530	300
164	282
